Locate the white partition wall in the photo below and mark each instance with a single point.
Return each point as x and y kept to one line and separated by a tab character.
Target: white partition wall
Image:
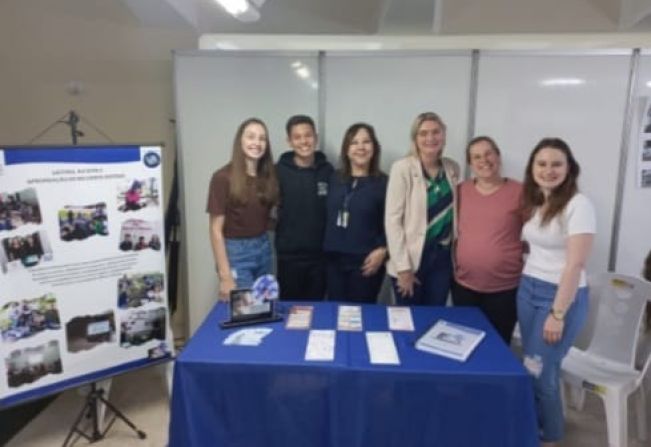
389	90
634	237
214	94
521	97
578	97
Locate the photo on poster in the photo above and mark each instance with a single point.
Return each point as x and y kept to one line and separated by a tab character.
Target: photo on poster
88	331
22	319
24	251
19	208
78	222
646	151
141	325
136	194
140	289
157	352
137	234
646	178
30	364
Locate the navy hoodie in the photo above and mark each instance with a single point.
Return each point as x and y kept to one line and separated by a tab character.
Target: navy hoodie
302	209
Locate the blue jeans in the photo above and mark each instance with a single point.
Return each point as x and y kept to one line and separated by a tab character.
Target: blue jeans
249	259
543	360
434	275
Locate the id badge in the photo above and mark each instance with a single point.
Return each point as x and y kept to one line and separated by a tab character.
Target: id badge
342	219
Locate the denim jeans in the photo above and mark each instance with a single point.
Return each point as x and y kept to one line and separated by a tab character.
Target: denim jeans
543	360
249	259
434	275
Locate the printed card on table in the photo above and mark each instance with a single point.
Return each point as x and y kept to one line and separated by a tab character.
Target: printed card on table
349	318
320	345
381	348
299	317
400	318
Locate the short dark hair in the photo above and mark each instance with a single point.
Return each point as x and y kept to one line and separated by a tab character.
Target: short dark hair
479	139
299	119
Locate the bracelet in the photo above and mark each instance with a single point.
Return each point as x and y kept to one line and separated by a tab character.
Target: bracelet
558	315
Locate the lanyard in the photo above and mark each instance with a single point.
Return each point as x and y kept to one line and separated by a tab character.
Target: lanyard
343	216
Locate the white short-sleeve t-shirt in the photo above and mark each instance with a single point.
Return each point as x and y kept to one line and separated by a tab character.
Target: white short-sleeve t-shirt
547	245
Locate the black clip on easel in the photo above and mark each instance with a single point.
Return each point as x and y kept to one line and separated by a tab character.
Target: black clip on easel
93	399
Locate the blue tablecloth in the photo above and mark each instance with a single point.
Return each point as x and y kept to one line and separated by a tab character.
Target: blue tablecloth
269	396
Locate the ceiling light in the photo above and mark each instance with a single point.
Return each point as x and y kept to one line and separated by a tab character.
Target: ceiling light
242	10
555	82
303	72
234	7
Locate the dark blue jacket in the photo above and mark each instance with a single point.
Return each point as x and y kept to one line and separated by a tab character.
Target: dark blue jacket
365	205
302	209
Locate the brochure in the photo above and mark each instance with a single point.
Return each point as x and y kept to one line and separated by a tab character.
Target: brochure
320	345
450	340
248	337
349	318
381	348
400	318
299	317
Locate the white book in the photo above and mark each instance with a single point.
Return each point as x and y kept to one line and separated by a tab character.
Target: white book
451	340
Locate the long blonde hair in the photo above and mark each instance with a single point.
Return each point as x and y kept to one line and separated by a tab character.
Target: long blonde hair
266	183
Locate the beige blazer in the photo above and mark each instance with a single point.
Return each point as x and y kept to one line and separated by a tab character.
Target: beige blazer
405	217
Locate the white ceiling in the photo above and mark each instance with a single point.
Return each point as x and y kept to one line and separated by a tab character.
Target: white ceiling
403	17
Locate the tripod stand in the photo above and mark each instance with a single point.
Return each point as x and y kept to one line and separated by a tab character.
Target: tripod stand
93	399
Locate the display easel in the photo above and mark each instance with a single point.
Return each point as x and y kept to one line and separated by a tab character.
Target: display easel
95	404
94	398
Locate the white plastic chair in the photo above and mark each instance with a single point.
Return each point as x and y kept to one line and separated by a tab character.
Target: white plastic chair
607	367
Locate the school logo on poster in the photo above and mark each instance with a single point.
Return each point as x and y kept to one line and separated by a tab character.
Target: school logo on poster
151	159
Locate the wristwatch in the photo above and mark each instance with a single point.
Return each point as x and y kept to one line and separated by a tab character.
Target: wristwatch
559	315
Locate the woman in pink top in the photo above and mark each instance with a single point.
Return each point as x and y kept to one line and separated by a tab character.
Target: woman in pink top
488	249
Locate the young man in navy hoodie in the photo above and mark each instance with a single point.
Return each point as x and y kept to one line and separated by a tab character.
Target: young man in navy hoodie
303	175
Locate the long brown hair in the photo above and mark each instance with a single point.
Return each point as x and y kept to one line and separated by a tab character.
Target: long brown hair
344	161
266	184
532	195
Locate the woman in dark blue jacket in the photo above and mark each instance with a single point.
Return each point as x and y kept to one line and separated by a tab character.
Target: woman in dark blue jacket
354	238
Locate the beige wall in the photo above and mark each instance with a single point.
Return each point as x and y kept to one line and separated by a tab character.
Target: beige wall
125	70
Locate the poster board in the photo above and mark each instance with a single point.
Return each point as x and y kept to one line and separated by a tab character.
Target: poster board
82	266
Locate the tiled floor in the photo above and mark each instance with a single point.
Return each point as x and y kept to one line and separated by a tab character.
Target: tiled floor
142	395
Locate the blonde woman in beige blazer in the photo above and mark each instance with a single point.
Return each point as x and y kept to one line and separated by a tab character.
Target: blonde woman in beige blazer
420	221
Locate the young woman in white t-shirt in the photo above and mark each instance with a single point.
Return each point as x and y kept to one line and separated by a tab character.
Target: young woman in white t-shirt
552	297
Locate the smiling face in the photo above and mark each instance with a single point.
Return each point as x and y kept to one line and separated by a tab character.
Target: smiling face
254	141
360	151
484	160
549	169
302	139
429	140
